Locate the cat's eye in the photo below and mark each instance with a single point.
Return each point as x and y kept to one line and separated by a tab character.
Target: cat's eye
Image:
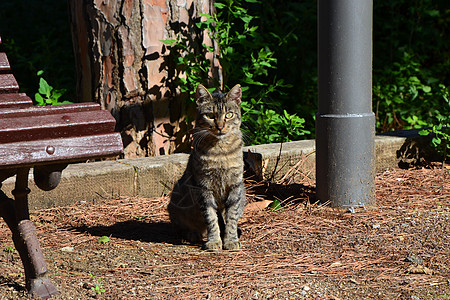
229	115
210	116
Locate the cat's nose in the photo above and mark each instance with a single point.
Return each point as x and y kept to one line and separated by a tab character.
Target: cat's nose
220	126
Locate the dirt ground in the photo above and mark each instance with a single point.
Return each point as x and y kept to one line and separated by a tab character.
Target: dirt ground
400	250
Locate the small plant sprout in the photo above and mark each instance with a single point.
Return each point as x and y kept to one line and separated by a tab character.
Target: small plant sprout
10	251
47	95
276	205
139	217
103	240
97	288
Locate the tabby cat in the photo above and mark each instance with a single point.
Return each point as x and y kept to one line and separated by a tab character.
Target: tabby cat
210	197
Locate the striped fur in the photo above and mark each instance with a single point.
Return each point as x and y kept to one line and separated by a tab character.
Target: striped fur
210	197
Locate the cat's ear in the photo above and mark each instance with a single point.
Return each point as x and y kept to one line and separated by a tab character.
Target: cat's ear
235	94
202	94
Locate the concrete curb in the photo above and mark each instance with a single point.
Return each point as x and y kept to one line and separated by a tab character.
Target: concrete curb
155	176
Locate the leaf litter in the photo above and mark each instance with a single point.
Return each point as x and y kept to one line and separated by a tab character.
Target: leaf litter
306	250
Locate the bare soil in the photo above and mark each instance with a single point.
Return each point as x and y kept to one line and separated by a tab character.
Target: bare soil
399	250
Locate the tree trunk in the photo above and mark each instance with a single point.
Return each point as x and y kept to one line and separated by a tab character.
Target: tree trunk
121	62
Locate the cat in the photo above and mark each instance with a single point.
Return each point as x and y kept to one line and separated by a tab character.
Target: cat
210	197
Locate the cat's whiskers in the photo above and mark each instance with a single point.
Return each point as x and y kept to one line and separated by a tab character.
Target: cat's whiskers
245	136
199	136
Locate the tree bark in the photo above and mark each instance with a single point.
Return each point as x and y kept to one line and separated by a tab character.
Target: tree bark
121	62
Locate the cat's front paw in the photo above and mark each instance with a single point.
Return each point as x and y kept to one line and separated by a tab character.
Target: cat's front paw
213	245
232	245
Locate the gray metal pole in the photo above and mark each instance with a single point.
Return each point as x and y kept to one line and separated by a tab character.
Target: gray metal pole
345	123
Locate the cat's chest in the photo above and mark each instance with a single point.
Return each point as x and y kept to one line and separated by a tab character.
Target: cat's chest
225	154
219	172
221	162
220	181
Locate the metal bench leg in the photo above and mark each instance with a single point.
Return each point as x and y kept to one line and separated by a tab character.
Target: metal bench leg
16	215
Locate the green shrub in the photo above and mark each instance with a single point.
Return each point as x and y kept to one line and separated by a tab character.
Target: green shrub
245	58
441	129
270	47
406	96
36	36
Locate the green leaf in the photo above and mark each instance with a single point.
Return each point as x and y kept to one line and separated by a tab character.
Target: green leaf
424	132
39	99
426	88
64	102
44	87
275	205
219	5
414	79
168	42
247	19
433	13
103	240
39	73
205	15
436	141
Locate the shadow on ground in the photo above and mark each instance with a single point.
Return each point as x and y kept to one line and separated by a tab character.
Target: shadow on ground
163	232
291	193
136	230
9	283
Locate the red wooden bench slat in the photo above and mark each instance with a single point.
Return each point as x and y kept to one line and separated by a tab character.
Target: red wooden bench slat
15	100
4	63
53	126
8	84
64	150
48	110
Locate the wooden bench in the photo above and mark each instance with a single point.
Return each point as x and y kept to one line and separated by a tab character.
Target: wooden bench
45	139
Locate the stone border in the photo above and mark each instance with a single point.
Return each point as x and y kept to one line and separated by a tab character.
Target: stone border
155	176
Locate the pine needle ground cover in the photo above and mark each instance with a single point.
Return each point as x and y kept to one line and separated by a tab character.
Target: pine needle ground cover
126	249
